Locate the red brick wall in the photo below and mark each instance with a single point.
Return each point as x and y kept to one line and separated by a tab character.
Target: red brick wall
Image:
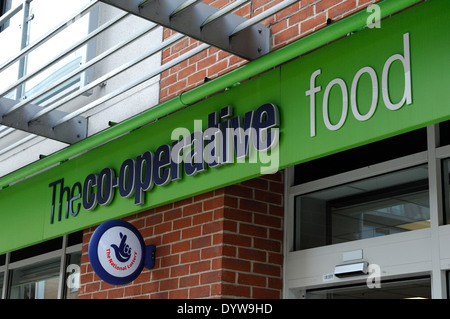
228	242
286	26
224	243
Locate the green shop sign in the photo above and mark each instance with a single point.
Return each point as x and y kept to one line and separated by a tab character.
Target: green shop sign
373	84
226	139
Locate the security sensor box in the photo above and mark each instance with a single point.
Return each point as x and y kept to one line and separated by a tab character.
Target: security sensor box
351	269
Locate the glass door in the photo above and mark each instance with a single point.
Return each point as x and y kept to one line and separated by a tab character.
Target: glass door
418	288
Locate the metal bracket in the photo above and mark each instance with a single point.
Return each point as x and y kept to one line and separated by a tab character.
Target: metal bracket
150	256
188	17
29	18
69	132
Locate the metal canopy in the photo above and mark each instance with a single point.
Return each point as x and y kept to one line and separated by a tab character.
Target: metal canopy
70	132
203	22
65	119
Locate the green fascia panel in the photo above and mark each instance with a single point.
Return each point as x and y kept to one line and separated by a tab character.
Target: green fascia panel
26	206
429	44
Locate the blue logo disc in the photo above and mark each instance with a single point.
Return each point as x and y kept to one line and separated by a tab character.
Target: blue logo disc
117	252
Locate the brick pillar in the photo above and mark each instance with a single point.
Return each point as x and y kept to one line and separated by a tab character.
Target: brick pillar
253	238
222	244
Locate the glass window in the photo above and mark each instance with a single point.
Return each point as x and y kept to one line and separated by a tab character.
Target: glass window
446	188
43	16
44	13
72	279
36	281
5	5
444	133
1	284
35	250
362	156
378	206
2	273
36	272
11	34
408	289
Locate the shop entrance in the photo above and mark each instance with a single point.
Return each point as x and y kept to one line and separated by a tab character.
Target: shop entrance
381	205
417	288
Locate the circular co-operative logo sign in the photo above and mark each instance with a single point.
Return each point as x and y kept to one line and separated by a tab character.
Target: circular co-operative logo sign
116	252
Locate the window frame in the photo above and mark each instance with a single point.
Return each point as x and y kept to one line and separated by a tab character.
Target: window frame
382	168
75	83
296	279
5	5
62	253
39	260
